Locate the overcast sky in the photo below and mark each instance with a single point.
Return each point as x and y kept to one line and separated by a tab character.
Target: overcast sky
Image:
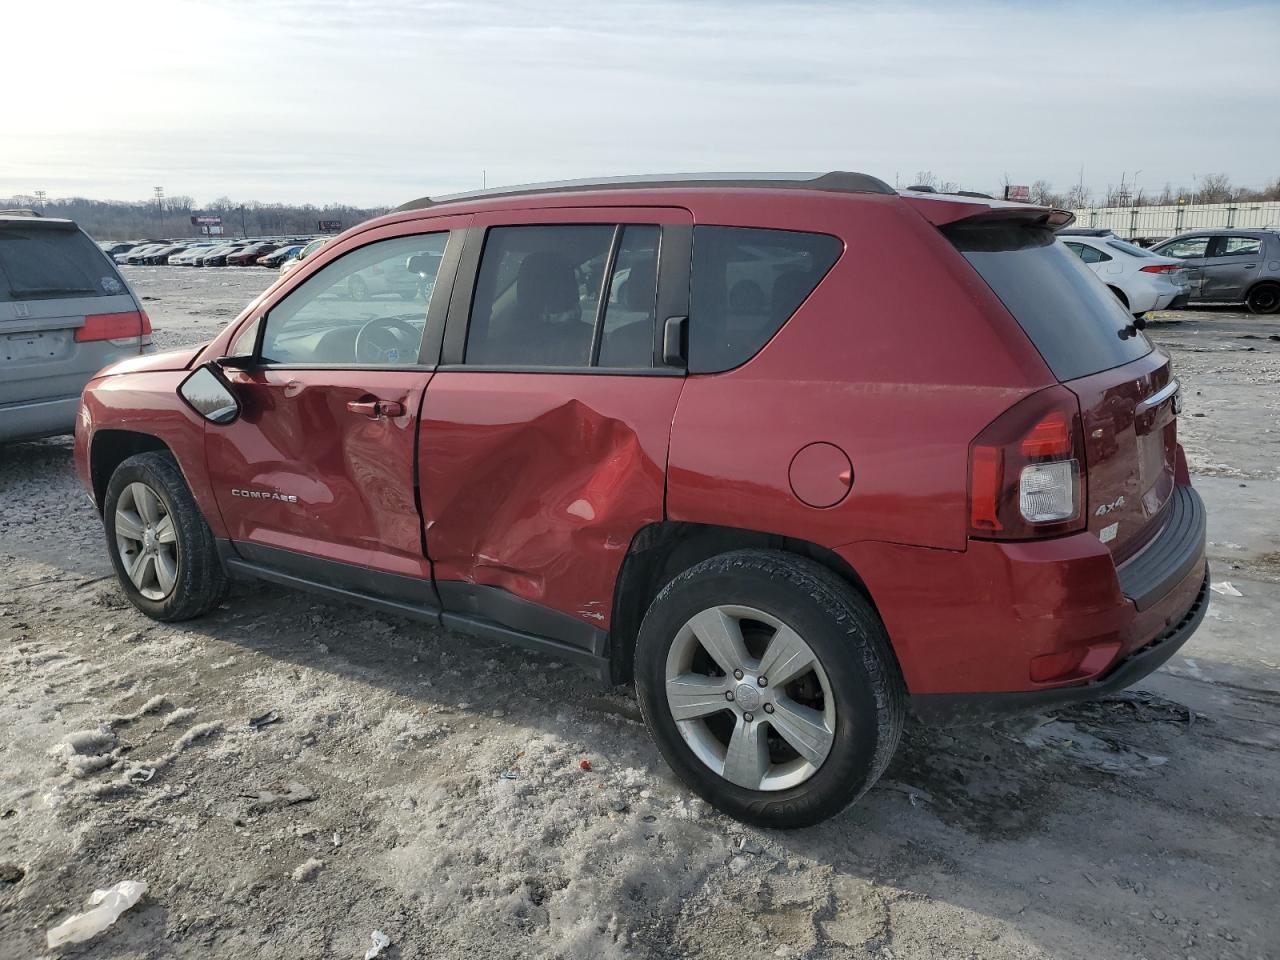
378	101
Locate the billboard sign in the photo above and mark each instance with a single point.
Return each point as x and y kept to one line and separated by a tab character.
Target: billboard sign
329	226
203	221
1019	194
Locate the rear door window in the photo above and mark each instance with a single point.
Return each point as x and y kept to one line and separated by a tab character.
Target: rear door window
1237	247
1188	248
1075	322
746	284
48	262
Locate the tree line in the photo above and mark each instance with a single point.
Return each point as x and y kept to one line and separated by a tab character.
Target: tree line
171	217
1211	188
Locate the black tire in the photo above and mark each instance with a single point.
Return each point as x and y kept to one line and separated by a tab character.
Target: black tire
1120	296
200	584
849	641
1264	298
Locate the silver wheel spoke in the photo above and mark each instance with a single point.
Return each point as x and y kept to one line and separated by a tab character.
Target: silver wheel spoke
786	657
747	760
721	635
802	727
148	503
164	530
128	524
166	570
692	695
138	569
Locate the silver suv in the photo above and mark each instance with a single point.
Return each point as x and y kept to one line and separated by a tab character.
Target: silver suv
1230	266
65	313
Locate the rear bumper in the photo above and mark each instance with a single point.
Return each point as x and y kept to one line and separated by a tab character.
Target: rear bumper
943	709
1009	626
33	419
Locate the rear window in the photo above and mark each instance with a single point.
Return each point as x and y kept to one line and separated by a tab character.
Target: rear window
746	284
1075	322
46	263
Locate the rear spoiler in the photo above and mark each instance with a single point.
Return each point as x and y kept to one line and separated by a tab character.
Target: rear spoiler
943	209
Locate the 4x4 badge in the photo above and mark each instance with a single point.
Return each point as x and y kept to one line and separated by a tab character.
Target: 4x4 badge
1106	508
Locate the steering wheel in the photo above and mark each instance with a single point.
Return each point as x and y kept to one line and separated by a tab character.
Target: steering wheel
388	340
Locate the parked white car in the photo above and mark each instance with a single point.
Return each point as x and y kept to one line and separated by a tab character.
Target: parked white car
188	256
1140	279
305	252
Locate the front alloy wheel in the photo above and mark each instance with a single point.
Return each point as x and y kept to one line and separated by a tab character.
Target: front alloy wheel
147	541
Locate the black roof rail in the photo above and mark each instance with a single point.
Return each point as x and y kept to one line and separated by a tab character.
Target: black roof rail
836	181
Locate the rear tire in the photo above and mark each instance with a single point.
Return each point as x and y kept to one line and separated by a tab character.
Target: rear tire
189	580
1264	298
842	694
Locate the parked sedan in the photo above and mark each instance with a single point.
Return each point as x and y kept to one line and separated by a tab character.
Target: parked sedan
1140	279
248	257
305	252
277	257
188	256
137	254
217	257
1234	266
161	257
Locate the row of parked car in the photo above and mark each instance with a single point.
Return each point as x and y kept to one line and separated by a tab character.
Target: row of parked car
1204	266
274	253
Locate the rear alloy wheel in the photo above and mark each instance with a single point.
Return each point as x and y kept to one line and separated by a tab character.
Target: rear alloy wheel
162	550
768	684
1264	298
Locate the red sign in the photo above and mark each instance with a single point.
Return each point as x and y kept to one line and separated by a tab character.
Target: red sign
1020	194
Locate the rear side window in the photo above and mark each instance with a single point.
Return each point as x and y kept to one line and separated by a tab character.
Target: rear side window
746	284
1075	322
47	263
1237	247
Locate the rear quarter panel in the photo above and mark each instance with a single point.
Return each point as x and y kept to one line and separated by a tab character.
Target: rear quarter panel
899	357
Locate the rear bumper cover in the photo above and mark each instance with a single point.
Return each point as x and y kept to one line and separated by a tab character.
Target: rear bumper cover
32	419
944	709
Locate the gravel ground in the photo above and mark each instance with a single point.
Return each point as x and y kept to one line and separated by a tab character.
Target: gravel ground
430	786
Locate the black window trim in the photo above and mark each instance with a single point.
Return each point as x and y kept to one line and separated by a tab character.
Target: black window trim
432	333
675	246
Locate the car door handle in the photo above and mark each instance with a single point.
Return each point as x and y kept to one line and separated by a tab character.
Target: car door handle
375	409
1250	266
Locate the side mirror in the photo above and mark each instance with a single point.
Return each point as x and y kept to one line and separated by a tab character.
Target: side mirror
208	393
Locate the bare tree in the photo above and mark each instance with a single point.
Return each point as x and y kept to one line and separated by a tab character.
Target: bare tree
1215	188
925	178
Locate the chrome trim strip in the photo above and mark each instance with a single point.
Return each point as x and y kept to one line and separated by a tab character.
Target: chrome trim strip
1159	397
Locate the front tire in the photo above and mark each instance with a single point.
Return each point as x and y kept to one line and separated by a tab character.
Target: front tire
786	750
162	550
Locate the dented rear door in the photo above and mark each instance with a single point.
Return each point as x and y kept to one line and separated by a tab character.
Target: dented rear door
535	478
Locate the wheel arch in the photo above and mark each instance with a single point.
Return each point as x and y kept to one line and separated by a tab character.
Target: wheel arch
662	551
1261	282
109	449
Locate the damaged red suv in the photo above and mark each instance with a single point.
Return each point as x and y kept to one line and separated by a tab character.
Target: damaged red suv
793	454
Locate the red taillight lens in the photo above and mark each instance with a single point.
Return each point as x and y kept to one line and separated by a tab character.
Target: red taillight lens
1051	437
1026	476
1162	268
114	326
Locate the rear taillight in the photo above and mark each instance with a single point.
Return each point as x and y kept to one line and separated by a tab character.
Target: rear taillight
1162	268
1026	476
122	329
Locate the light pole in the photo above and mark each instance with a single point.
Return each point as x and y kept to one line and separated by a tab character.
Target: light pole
160	207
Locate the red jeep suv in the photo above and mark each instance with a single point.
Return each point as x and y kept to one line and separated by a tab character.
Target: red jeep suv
794	454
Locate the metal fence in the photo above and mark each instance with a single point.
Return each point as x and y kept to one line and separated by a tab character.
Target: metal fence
1161	222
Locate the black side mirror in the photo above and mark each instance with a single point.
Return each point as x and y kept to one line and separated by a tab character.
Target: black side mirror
208	392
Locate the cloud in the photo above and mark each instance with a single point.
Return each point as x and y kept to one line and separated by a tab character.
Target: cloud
376	101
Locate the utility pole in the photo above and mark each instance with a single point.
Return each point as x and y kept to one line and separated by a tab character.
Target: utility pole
160	207
40	199
243	229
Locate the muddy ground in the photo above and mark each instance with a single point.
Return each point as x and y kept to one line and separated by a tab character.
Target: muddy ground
435	780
